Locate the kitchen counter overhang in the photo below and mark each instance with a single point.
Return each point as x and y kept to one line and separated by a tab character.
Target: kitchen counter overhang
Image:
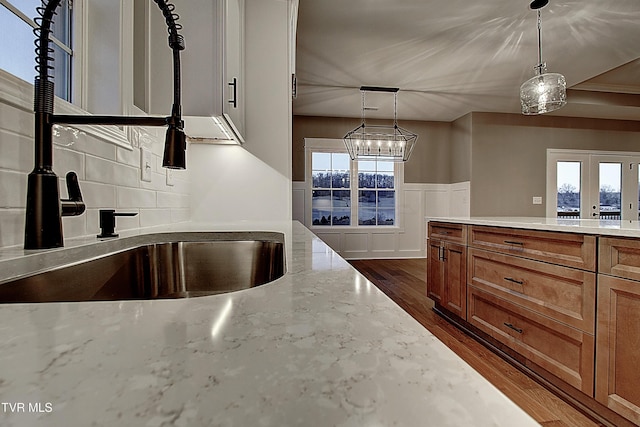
319	346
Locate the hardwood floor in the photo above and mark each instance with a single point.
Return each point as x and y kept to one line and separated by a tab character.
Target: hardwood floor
404	281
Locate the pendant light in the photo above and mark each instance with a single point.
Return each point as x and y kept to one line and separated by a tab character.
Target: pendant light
544	92
390	143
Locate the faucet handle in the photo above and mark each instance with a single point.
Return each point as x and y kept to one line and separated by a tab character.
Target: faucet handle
108	222
74	205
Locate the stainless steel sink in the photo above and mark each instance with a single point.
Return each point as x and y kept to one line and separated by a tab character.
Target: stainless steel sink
161	270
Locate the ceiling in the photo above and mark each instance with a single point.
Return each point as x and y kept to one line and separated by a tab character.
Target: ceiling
451	57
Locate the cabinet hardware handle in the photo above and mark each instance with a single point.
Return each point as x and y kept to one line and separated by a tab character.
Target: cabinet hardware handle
513	242
234	101
510	326
511	279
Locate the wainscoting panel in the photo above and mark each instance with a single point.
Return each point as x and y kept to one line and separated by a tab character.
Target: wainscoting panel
356	242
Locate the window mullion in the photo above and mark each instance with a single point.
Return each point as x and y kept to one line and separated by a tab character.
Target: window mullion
353	166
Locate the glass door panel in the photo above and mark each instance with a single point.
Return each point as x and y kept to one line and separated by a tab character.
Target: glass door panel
610	190
568	185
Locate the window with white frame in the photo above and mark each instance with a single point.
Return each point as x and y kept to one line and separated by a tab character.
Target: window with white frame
17	19
342	189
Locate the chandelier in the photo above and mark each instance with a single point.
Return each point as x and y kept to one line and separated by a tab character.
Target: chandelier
391	143
544	92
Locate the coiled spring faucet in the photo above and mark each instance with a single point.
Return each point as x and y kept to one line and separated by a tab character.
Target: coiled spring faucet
43	225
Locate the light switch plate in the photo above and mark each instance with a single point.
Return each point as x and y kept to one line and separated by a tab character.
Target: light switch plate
146	159
537	200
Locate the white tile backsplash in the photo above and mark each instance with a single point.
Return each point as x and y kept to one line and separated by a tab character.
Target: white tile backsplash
13	189
135	198
109	179
16	152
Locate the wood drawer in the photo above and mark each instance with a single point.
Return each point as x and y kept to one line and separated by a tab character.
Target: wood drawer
562	293
620	257
563	351
448	231
568	249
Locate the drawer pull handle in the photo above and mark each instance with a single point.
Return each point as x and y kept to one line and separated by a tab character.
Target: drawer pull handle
511	279
513	242
510	326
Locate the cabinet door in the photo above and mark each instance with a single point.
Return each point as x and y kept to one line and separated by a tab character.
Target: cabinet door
618	346
565	352
234	62
435	271
455	275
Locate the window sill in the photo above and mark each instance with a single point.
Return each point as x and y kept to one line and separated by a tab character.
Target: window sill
18	93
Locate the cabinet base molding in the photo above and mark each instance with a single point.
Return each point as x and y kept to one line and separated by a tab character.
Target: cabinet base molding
586	404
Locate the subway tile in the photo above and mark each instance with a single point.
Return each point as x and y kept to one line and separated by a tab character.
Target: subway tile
96	147
180	215
128	157
153	217
97	195
74	226
65	160
104	171
16	152
135	198
170	200
12	227
13	189
16	120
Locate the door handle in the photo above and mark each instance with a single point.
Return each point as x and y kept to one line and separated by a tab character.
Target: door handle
234	101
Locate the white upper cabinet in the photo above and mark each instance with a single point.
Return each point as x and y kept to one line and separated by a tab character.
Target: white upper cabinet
233	61
212	66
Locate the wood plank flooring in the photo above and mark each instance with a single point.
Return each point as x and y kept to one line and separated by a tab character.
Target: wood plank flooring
404	281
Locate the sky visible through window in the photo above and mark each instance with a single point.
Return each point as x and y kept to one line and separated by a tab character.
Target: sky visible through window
17	46
16	43
569	173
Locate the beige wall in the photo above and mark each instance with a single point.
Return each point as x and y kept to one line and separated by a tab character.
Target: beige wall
508	156
461	149
429	162
503	155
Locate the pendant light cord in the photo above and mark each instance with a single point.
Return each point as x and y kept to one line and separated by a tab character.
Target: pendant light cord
539	66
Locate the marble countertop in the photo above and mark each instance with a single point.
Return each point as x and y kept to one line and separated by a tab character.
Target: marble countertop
319	346
604	227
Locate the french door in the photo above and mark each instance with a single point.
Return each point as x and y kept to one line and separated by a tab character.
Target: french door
593	185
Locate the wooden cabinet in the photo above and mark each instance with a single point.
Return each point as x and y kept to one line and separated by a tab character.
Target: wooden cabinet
569	249
561	293
534	291
565	306
447	267
618	336
564	351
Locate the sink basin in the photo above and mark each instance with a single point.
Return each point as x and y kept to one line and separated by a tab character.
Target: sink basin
161	270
